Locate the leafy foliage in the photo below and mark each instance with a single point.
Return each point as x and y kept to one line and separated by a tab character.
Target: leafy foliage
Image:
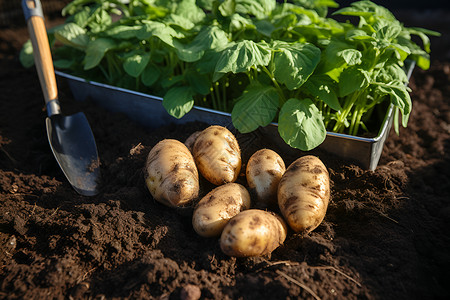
262	60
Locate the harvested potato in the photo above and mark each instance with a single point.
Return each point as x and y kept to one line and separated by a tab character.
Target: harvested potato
189	142
171	174
213	211
264	170
217	155
253	232
303	193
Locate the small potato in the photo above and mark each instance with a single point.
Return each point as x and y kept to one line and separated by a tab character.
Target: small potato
171	174
214	210
189	142
217	155
253	232
264	170
303	193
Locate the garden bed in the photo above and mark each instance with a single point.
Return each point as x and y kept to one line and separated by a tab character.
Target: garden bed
385	235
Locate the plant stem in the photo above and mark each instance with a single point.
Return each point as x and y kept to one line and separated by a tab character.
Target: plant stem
277	86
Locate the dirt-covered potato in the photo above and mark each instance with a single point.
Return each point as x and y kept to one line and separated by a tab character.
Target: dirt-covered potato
264	170
171	174
189	142
253	232
213	211
217	155
303	193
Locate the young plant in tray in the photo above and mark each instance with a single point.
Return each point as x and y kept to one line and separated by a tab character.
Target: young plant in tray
263	61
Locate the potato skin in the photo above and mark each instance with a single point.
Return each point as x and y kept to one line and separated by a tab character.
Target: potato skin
253	232
304	193
213	211
189	142
171	174
264	170
217	155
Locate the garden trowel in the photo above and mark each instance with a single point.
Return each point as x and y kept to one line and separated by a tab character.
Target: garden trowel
70	137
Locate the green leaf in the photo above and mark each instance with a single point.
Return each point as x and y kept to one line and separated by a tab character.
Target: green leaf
209	38
240	57
399	96
256	107
260	9
353	79
294	63
160	30
200	83
322	87
136	63
96	51
300	124
180	21
351	56
26	55
62	63
387	30
227	8
150	74
358	35
178	101
189	10
123	31
71	34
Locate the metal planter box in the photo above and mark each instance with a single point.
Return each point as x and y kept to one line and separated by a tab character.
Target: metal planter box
148	111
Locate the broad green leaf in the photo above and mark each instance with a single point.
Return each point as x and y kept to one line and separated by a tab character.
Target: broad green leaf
240	57
178	101
162	31
294	63
62	63
351	56
332	55
189	10
323	88
123	31
136	63
265	27
358	35
387	30
260	9
150	74
353	79
402	52
96	50
227	8
399	96
256	107
200	83
300	124
71	34
365	9
26	55
180	21
211	37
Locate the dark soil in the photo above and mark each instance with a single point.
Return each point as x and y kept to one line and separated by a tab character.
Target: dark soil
385	235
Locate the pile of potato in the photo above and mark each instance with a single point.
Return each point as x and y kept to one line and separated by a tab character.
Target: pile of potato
301	192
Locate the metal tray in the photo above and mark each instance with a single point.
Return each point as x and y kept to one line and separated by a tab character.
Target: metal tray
148	111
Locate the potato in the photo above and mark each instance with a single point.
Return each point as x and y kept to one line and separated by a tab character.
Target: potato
303	193
213	211
189	142
253	232
217	155
264	170
171	174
